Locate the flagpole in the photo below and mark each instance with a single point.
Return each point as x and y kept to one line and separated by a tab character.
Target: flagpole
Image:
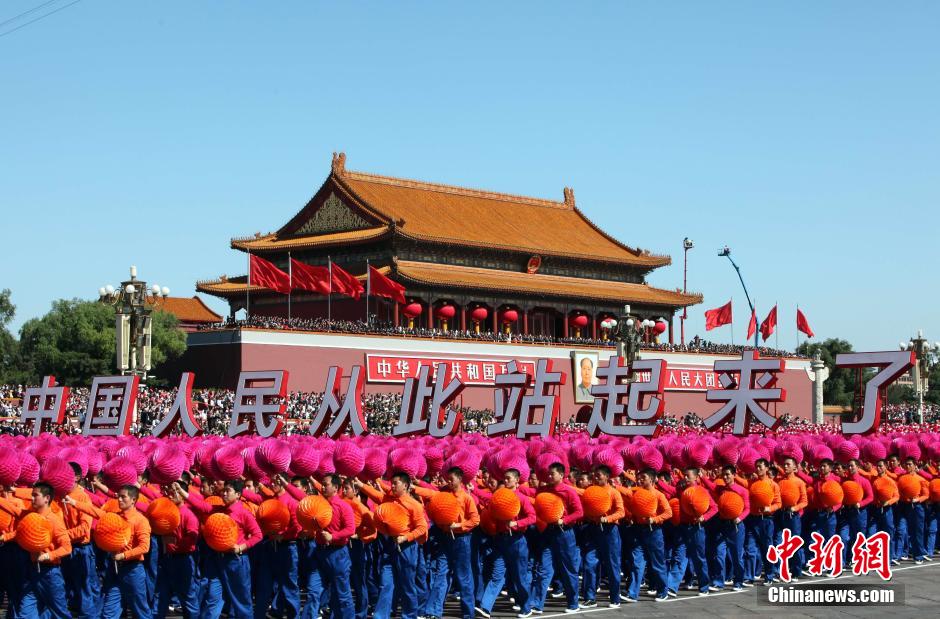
797	329
777	331
290	279
731	324
329	298
368	290
248	288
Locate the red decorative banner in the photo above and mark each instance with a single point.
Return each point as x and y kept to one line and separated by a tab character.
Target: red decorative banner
396	369
682	379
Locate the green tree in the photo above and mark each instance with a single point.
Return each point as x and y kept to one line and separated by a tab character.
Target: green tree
8	343
75	342
839	388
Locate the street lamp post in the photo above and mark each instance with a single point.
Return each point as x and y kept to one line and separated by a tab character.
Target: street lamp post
726	252
923	351
687	244
627	332
133	304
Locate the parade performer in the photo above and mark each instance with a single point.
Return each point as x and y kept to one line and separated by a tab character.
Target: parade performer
78	568
649	547
125	579
603	544
177	574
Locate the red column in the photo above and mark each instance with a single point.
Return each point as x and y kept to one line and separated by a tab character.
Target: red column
525	322
495	319
395	317
463	318
670	331
564	324
593	326
430	315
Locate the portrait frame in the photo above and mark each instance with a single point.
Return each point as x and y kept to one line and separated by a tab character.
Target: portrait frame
577	384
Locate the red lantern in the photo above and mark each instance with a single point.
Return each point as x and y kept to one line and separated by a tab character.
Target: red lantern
580	321
510	316
479	314
659	327
412	310
446	312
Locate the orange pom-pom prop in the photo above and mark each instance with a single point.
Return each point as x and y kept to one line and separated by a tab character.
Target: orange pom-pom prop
762	493
695	501
934	491
220	532
676	517
111	505
505	505
314	512
789	492
596	501
852	493
273	517
215	501
549	507
164	516
730	505
884	488
34	533
831	494
488	522
391	519
909	486
444	509
112	533
643	504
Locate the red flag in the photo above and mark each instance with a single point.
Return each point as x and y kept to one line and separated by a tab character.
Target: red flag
752	325
718	316
265	274
770	323
802	324
346	284
307	277
381	286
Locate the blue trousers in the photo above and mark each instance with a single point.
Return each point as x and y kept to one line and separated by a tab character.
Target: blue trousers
16	565
81	581
729	546
540	558
358	578
311	579
566	561
649	548
932	519
912	515
690	545
882	519
457	563
788	520
825	523
601	555
228	579
151	562
43	593
512	554
178	577
335	567
398	567
850	522
126	586
278	570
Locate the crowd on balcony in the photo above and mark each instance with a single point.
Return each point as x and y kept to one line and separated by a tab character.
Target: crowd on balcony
214	408
360	327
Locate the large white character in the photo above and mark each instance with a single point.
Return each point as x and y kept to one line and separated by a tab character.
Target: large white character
260	396
112	405
746	383
182	410
45	405
342	414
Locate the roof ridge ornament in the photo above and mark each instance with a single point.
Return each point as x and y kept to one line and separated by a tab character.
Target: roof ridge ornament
339	163
569	197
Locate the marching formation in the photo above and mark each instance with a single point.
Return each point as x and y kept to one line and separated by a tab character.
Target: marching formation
364	527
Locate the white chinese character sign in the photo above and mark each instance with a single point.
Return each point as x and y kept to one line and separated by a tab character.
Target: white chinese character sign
182	411
338	412
644	393
45	405
112	404
259	403
747	383
892	365
627	401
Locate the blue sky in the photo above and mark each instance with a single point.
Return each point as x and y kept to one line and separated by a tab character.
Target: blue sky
805	135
